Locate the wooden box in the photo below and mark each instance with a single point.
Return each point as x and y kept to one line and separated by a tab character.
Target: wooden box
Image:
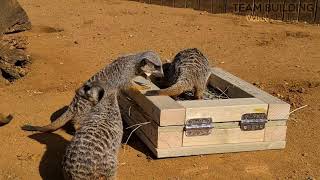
250	119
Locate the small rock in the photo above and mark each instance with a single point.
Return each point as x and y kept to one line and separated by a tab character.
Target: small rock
297	66
139	155
304	154
75	42
131	35
61	63
222	62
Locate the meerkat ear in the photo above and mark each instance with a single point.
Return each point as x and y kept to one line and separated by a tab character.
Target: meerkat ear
95	93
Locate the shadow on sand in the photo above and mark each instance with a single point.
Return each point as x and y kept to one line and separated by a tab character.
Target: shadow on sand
50	166
136	143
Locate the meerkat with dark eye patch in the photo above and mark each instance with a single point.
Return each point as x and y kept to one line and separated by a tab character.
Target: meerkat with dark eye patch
5	119
93	151
118	74
189	71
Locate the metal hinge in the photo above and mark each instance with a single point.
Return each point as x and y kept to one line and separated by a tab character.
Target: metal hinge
198	127
253	121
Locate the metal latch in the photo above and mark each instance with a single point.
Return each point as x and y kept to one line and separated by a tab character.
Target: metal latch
198	127
253	121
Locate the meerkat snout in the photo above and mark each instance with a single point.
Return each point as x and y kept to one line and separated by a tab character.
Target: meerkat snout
150	64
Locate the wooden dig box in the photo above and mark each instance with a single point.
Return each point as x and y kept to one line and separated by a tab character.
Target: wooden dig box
249	120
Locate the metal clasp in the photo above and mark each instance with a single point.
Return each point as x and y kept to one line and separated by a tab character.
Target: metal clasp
253	121
198	127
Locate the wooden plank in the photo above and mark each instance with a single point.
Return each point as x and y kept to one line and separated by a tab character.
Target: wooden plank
223	110
133	114
171	139
277	109
221	148
224	136
291	10
260	8
236	135
208	149
162	109
275	133
275	9
219	6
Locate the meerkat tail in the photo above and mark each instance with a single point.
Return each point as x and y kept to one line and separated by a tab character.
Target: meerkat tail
61	121
6	120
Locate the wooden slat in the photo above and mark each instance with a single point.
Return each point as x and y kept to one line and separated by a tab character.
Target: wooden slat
221	148
208	149
162	109
168	3
223	110
194	4
245	7
224	136
276	9
317	13
205	5
219	6
232	6
291	10
277	109
260	8
180	3
307	10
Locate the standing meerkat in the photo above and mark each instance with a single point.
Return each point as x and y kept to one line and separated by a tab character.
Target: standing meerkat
189	71
5	119
93	151
118	74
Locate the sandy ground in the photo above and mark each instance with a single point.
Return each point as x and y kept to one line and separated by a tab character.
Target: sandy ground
283	59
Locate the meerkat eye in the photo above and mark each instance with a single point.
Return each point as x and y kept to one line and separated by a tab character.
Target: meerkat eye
86	88
100	95
157	67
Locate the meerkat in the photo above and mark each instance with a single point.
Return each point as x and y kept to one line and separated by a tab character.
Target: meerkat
5	119
119	74
189	71
93	151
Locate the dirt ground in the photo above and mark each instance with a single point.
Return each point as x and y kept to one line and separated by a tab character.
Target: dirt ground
72	39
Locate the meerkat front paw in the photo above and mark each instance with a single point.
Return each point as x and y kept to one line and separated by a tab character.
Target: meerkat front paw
152	93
